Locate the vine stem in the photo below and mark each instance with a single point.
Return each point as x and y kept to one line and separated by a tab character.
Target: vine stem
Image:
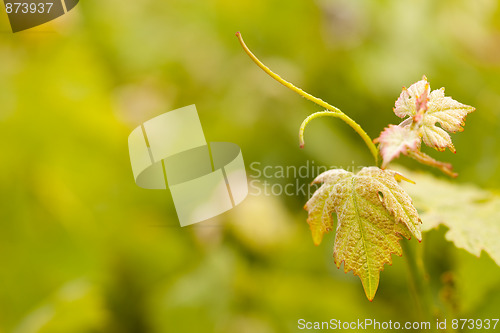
418	283
333	111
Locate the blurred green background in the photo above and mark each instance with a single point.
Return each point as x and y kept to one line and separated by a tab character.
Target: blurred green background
83	249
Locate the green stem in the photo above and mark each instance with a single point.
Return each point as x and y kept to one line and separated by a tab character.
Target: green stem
346	119
333	111
418	284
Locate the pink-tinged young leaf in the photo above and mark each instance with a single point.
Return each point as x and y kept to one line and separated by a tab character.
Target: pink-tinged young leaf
395	140
406	104
431	108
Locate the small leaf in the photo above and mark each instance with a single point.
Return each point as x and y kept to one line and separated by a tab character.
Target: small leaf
395	140
449	113
471	214
435	109
406	104
373	212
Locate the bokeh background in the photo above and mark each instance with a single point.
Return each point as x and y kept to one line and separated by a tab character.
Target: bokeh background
83	249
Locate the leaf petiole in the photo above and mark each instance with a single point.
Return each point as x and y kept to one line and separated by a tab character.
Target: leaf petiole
426	159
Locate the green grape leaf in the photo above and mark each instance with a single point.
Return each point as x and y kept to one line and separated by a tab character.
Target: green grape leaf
471	214
438	109
395	140
373	213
